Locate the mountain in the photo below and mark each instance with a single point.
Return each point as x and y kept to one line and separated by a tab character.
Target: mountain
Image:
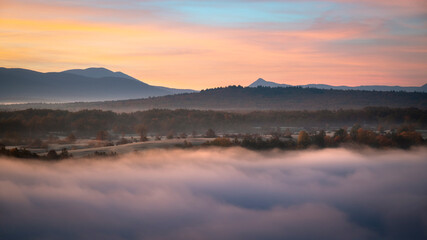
264	83
260	98
261	82
92	84
98	73
103	72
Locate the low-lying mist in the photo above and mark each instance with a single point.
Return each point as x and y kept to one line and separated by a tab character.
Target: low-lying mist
218	194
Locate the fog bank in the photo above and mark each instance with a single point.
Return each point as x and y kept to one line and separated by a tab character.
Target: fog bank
218	194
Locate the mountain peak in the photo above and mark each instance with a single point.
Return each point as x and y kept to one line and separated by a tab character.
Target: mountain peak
98	69
98	72
259	82
263	83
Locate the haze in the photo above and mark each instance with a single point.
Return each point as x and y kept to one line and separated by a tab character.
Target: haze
218	194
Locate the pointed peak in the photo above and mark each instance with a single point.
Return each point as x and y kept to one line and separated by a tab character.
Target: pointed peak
263	83
260	80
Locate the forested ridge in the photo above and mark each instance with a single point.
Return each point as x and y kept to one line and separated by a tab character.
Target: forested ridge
259	98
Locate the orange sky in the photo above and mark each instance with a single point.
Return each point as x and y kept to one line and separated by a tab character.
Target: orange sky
188	45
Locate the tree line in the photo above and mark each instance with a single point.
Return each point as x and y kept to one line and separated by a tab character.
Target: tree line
33	123
404	137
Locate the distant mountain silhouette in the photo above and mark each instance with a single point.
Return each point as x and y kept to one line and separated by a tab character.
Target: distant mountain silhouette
103	72
264	83
92	84
260	98
261	82
98	73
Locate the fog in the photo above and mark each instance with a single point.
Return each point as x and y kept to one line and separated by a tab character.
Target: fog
218	194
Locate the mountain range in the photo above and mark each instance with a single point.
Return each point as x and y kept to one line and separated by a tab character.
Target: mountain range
264	83
100	84
91	84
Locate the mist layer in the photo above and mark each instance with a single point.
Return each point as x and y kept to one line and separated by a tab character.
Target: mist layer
218	194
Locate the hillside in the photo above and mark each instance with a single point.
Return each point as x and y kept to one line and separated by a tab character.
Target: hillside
263	83
92	84
260	98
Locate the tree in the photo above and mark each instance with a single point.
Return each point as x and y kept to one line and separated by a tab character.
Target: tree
366	137
71	138
122	141
64	154
194	134
141	129
52	155
340	135
319	139
170	134
221	142
102	136
37	143
406	139
287	133
186	144
210	133
353	131
303	139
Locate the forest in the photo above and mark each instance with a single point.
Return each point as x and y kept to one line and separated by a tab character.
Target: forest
32	123
248	99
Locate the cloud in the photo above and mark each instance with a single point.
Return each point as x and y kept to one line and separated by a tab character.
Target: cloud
218	194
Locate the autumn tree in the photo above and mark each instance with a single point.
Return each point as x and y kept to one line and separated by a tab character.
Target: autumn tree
102	135
353	131
340	135
405	139
303	139
366	137
221	142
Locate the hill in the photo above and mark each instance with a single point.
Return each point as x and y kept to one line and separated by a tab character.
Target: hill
260	98
98	73
92	84
263	83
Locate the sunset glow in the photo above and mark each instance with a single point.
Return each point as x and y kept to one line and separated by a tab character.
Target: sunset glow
203	44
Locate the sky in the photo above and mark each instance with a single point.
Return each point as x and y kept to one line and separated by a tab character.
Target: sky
205	44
